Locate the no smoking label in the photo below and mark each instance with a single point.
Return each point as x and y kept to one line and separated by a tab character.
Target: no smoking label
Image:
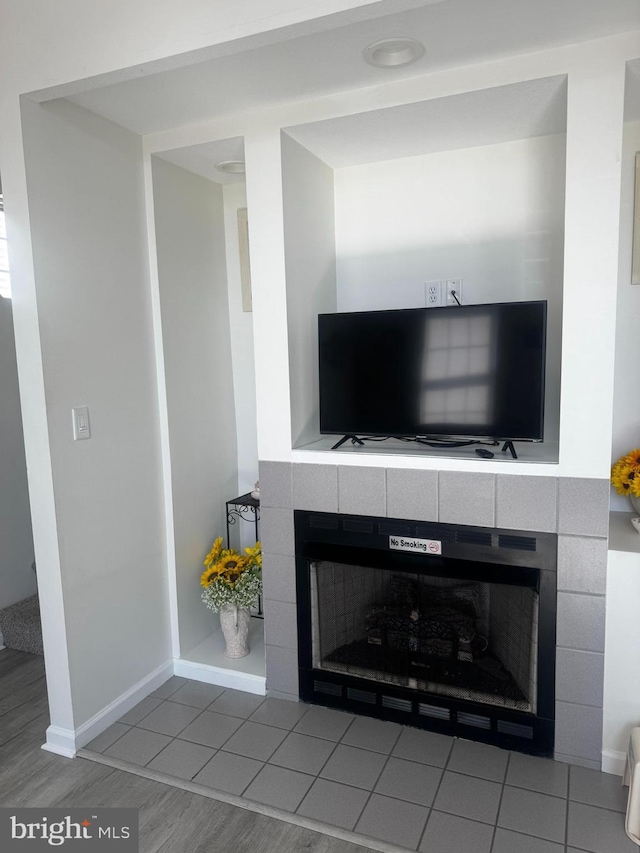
424	546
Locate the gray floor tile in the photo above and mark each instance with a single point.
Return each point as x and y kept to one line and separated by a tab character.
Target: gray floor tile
182	759
533	813
279	713
597	789
132	717
448	834
426	747
597	830
169	718
393	820
169	687
303	753
410	781
255	741
197	694
506	841
108	736
331	802
138	746
538	774
236	703
478	759
466	796
324	722
229	772
352	766
211	729
279	787
377	735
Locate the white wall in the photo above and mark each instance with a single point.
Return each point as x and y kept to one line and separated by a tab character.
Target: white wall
310	258
189	231
622	658
86	204
17	580
242	350
493	216
626	403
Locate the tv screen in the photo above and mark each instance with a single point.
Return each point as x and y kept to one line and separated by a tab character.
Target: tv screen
458	372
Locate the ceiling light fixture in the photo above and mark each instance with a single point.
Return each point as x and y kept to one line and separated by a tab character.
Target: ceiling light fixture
231	167
393	53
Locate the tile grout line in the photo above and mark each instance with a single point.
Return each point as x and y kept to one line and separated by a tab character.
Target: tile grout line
504	782
377	779
566	817
216	750
267	762
117	739
435	795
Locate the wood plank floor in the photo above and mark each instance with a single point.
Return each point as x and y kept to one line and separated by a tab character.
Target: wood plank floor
171	820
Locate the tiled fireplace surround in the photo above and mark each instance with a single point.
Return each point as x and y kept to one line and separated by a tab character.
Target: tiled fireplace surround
576	509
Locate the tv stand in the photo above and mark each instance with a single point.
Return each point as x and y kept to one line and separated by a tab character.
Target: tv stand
354	440
508	445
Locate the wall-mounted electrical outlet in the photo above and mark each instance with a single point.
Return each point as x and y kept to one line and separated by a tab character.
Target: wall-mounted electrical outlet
453	285
433	293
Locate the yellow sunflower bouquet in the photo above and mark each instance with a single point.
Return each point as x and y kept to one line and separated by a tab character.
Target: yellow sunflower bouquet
230	577
625	474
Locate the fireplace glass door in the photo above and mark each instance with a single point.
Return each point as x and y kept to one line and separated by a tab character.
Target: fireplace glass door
446	636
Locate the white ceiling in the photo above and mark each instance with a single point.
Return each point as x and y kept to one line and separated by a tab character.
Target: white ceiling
454	32
202	159
485	117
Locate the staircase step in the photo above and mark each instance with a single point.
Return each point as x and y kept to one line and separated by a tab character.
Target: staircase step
20	626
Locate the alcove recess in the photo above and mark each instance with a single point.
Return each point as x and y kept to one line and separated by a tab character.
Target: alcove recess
468	186
210	441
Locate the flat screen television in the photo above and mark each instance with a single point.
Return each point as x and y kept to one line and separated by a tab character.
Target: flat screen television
475	371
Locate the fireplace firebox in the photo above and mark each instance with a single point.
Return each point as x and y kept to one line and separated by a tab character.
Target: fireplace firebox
445	627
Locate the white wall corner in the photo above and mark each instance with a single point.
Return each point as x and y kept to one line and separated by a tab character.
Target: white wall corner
68	741
613	762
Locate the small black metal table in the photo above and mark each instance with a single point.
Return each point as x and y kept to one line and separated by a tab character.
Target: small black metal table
245	508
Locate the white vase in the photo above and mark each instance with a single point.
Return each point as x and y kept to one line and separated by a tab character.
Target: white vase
234	622
635	503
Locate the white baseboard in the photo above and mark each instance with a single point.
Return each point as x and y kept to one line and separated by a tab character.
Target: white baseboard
613	762
220	676
60	741
68	741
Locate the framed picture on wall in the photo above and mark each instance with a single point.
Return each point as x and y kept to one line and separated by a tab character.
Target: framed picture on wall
635	264
245	269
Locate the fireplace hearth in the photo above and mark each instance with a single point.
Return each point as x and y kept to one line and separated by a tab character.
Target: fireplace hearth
445	627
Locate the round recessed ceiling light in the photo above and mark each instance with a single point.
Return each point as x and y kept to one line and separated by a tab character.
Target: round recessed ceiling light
231	167
393	53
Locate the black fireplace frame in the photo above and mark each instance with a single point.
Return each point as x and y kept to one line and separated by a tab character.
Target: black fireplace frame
477	553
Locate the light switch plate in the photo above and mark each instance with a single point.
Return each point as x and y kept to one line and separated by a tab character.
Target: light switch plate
81	425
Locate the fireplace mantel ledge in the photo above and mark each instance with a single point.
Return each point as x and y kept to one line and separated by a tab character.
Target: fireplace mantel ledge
462	459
